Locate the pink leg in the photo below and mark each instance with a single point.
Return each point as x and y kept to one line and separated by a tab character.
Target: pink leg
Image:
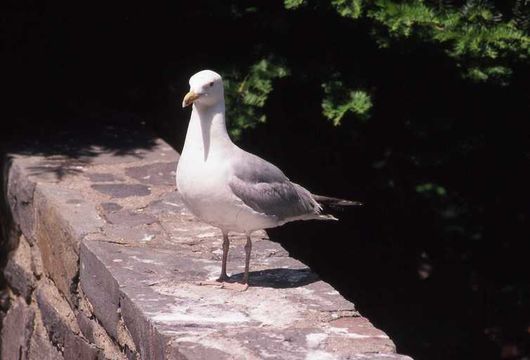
226	245
248	249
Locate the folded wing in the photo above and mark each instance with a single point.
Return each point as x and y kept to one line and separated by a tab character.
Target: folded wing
264	188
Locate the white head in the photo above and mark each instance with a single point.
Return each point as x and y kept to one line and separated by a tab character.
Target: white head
206	89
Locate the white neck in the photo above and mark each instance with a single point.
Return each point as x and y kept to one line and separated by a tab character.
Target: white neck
207	130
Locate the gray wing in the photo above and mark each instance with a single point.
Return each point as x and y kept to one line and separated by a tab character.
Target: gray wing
264	188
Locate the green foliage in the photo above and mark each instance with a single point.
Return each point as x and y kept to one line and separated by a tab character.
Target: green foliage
400	19
348	8
292	4
246	93
338	101
430	189
474	34
499	73
483	42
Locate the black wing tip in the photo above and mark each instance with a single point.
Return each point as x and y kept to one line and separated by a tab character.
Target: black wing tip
348	203
355	203
330	201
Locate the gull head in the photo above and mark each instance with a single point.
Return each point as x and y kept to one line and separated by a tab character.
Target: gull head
206	89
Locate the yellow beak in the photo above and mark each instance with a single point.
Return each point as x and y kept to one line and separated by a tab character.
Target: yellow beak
189	98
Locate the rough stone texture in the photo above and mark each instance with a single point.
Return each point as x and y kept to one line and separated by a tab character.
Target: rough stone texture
40	345
110	207
63	219
16	331
37	267
79	349
154	174
122	190
57	316
101	177
113	260
95	334
18	270
20	197
102	290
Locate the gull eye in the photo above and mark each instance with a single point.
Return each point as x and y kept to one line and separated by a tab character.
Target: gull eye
211	84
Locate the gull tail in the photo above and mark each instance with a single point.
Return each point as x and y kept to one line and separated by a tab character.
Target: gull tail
334	203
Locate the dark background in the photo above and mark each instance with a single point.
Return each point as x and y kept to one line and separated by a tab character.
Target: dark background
446	275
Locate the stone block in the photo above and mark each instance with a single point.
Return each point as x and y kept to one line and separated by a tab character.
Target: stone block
58	249
122	190
57	316
110	207
149	342
17	328
18	271
40	346
126	341
78	348
137	234
129	218
86	325
101	177
162	173
36	261
20	191
95	334
169	205
63	218
100	288
75	208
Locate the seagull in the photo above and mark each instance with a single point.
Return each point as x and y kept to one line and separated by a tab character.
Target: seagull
230	188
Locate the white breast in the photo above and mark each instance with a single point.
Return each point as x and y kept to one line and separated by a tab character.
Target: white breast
204	188
204	172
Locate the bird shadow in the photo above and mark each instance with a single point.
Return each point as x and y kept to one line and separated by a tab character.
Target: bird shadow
279	278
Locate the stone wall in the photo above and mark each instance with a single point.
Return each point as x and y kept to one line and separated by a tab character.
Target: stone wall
49	316
105	263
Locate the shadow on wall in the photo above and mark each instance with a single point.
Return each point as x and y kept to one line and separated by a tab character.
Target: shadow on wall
67	149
